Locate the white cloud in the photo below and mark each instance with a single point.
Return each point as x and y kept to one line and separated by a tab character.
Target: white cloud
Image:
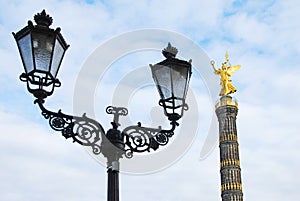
35	162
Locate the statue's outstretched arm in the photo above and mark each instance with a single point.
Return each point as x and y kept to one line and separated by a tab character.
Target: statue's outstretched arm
212	62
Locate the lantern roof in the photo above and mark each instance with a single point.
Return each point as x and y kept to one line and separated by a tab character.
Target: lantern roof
170	53
43	22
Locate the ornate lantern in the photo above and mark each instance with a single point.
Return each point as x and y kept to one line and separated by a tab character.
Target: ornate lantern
42	50
172	77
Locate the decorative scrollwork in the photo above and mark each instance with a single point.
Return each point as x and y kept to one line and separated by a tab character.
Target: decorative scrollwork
117	110
89	132
140	139
82	130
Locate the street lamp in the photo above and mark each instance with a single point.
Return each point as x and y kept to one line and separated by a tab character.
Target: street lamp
42	50
171	77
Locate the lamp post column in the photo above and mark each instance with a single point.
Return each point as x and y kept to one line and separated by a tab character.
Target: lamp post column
113	149
113	181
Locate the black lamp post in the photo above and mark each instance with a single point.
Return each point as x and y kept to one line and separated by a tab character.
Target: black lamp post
42	50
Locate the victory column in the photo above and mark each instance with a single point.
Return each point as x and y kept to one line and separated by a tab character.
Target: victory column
226	110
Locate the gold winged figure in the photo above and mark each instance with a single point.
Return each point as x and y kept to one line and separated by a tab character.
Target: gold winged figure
225	73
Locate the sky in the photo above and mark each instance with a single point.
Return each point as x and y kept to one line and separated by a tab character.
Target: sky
37	163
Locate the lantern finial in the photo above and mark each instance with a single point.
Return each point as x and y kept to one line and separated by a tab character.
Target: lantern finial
43	19
170	51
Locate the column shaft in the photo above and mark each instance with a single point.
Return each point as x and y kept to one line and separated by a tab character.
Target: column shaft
231	184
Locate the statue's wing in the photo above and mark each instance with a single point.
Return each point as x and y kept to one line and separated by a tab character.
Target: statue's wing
232	69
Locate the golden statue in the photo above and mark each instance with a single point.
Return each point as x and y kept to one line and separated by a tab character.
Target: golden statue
225	73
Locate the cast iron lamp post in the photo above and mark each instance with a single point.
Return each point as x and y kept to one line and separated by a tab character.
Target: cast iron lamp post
42	50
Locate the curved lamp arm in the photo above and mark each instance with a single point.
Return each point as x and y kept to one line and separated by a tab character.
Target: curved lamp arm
140	139
82	130
89	132
135	138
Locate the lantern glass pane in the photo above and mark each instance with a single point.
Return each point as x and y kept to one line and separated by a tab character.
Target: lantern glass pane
43	47
26	52
163	81
179	79
57	57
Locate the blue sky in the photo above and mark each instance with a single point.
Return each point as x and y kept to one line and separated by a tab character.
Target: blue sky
262	36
